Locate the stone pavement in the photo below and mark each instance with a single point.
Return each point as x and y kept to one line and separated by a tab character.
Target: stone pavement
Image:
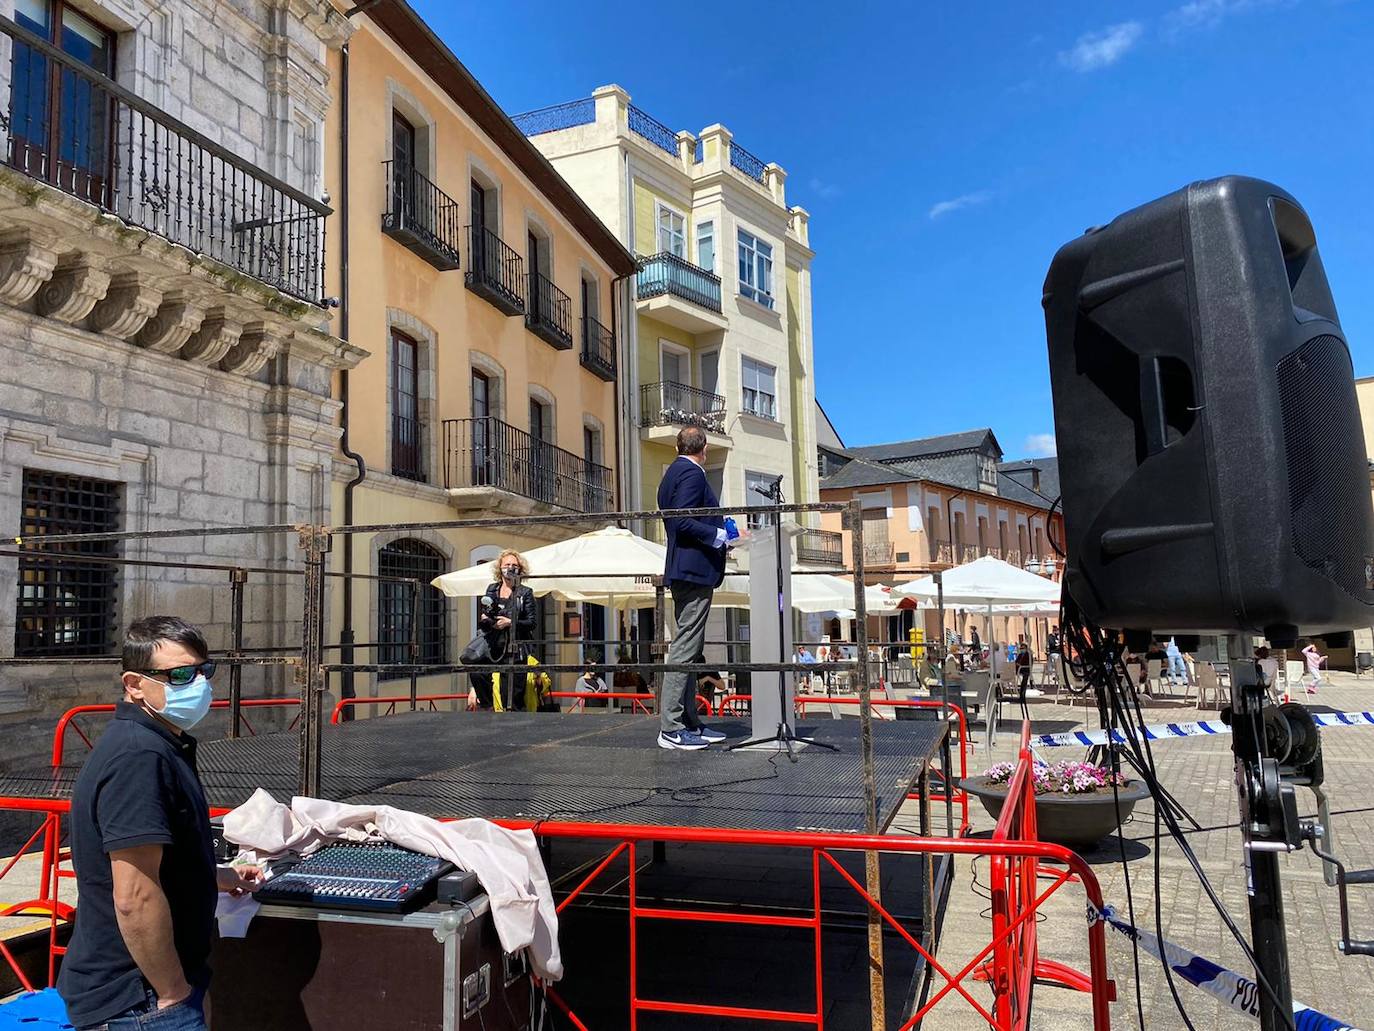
1198	771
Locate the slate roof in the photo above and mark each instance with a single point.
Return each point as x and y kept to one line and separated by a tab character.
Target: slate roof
859	472
968	440
1016	487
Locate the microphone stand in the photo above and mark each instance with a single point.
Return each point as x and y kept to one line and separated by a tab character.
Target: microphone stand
783	736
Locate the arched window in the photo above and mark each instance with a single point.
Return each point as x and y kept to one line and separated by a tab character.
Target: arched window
397	607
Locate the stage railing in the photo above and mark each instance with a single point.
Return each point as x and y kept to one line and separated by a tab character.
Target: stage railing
823	848
431	700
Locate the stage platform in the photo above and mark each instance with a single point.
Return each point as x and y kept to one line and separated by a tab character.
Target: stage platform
565	766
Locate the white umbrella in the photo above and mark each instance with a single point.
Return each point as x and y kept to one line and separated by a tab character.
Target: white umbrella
611	566
986	582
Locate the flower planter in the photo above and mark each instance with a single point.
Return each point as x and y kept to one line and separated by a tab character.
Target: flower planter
1075	821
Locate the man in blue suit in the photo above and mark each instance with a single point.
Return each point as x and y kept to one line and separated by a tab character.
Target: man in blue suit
695	567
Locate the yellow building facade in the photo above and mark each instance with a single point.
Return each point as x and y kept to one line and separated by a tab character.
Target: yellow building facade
489	296
722	337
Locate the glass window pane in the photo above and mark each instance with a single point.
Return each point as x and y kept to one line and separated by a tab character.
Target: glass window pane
34	15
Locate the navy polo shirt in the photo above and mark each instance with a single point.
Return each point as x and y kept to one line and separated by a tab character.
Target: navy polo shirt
138	787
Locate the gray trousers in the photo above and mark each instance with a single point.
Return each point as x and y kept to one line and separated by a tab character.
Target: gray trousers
677	701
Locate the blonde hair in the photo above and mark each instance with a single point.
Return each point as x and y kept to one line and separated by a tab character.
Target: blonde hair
501	561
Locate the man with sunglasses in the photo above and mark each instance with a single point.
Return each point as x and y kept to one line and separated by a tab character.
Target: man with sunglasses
140	838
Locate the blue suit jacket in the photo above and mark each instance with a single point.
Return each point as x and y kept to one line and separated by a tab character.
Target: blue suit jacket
692	554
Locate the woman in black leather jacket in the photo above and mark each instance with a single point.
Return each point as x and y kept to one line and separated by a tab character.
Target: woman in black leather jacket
507	618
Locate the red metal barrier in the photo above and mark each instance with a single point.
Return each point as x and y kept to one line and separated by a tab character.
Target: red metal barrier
59	738
823	848
638	698
1016	963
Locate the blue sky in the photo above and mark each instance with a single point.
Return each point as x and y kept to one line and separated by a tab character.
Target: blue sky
946	152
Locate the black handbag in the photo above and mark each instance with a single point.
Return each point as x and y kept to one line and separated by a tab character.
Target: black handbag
479	652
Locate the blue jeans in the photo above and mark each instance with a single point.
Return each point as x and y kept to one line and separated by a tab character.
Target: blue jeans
187	1015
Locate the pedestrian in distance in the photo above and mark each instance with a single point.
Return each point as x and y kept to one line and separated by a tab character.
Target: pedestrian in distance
1314	660
693	569
1023	665
141	845
1178	669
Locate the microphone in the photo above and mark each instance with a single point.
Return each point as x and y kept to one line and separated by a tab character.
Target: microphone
486	601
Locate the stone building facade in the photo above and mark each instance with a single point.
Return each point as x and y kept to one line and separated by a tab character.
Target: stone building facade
165	356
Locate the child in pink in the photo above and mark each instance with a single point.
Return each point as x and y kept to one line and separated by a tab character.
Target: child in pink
1314	660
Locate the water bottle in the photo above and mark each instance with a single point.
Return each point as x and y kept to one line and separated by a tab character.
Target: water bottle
731	530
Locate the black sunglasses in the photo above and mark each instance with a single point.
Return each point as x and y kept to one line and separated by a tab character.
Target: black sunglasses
180	676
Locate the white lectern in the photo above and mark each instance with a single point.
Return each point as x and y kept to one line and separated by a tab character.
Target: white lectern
770	638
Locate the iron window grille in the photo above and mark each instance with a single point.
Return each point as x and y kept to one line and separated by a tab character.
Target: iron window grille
66	607
404	607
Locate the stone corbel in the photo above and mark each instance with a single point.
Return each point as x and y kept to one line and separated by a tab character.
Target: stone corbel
126	307
216	337
259	344
169	329
26	263
75	287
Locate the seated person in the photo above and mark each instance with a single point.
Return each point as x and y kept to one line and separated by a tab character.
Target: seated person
710	686
627	680
591	683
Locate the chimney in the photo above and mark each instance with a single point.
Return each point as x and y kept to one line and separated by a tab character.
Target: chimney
1035	477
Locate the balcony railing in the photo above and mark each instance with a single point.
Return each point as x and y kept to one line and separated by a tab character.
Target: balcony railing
677	404
820	547
598	348
549	314
101	143
879	553
745	162
405	448
421	216
559	116
495	271
650	128
666	273
487	452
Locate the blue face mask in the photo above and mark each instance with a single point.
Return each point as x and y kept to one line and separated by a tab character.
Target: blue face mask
187	705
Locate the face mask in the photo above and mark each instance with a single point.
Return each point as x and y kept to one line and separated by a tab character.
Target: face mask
187	705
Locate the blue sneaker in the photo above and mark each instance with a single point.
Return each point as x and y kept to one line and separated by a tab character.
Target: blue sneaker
687	740
708	734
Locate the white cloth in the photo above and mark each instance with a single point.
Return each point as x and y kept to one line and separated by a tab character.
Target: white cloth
506	862
233	914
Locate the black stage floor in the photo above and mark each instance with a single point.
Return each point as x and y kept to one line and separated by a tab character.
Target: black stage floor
564	766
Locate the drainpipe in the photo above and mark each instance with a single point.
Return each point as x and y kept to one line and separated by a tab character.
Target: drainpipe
346	635
620	319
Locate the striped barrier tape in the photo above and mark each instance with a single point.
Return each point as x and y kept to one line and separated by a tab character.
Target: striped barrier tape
1235	990
1202	728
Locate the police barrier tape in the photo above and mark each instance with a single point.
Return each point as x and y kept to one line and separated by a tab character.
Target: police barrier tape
1202	728
1238	992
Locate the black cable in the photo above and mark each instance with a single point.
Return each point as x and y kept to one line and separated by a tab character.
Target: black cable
1139	747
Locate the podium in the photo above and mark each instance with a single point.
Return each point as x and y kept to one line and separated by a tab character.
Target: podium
770	638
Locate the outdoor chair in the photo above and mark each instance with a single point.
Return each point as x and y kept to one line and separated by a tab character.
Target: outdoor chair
1208	684
1364	662
1293	675
1154	677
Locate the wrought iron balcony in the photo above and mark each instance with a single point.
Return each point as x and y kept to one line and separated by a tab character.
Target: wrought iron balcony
487	452
421	216
677	404
880	553
821	547
598	348
66	125
666	273
495	271
549	315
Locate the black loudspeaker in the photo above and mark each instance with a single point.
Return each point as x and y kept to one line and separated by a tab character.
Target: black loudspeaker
1211	456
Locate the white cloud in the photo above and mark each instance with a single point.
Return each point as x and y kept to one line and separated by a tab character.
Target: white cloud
1040	445
1102	49
823	189
1205	14
966	200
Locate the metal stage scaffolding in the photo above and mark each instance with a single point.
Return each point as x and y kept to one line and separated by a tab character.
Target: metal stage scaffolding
309	661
